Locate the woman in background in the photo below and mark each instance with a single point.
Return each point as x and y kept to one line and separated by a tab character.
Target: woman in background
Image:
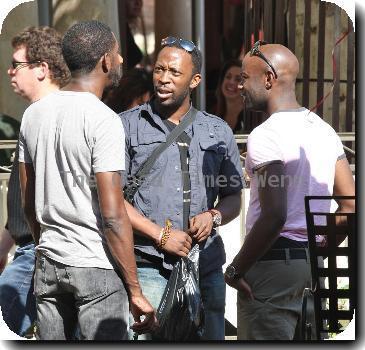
135	88
229	101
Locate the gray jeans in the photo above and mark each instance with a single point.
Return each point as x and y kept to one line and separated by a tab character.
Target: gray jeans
92	300
275	312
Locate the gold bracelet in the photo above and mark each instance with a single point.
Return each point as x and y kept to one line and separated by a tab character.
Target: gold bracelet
165	234
164	238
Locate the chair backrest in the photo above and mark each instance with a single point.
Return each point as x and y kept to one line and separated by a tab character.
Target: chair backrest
333	266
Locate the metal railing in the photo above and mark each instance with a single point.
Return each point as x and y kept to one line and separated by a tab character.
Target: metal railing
4	179
8	144
344	136
240	139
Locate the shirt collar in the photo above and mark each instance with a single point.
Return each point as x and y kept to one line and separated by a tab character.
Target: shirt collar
157	119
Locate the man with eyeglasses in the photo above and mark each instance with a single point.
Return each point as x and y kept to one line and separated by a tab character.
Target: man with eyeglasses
292	154
37	69
195	183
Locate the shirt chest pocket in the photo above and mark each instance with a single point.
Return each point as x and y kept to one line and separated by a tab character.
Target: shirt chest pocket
143	144
212	155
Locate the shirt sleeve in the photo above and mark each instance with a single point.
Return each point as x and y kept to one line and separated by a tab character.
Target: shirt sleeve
262	149
24	156
231	168
339	148
108	146
126	171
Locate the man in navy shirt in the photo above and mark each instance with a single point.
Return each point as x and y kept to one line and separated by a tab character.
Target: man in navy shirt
202	166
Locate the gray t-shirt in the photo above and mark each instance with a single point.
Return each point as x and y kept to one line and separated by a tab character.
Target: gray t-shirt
70	136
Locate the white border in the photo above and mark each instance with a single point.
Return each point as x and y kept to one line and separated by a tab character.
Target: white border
5	333
348	6
7	5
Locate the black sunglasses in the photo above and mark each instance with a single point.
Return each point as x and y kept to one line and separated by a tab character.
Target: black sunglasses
17	64
187	45
255	51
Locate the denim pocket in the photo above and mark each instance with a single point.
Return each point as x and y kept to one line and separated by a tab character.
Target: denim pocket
40	277
90	283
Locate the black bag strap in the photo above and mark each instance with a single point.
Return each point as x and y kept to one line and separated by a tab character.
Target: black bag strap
184	138
178	130
135	181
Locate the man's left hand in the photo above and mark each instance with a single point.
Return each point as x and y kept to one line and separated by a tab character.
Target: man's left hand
201	226
139	307
241	285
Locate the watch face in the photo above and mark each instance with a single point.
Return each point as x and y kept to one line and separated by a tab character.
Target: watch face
230	271
217	220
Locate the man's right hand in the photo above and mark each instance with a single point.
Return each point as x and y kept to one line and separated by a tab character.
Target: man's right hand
179	243
140	307
241	285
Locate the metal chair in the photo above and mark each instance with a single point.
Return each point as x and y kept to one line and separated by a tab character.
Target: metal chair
333	304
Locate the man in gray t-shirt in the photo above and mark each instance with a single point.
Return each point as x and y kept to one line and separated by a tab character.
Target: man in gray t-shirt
69	154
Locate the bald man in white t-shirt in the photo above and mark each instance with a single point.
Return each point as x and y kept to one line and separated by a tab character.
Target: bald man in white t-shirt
292	154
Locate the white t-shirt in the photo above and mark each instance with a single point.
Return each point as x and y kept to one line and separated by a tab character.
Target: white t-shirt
309	149
70	136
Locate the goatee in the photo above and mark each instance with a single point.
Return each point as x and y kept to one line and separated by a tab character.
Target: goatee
115	76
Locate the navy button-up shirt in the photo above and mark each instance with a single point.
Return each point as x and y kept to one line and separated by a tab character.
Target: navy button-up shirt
214	168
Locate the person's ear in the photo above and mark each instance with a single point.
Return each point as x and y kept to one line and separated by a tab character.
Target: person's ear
42	71
269	80
195	80
106	62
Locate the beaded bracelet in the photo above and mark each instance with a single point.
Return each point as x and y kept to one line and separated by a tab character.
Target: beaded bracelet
165	234
164	238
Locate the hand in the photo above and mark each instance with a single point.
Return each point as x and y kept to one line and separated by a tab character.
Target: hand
241	285
201	226
140	307
179	243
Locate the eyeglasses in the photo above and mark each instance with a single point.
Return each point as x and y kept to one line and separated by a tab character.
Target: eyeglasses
255	51
187	45
18	65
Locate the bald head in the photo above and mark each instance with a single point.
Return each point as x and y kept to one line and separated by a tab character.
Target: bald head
262	88
284	61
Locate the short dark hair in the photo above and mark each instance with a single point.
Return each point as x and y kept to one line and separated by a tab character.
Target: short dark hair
85	43
44	44
196	57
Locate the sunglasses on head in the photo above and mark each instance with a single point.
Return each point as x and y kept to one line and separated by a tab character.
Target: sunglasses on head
255	51
187	45
17	64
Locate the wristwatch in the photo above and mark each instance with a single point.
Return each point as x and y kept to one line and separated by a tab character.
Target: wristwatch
217	218
231	272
